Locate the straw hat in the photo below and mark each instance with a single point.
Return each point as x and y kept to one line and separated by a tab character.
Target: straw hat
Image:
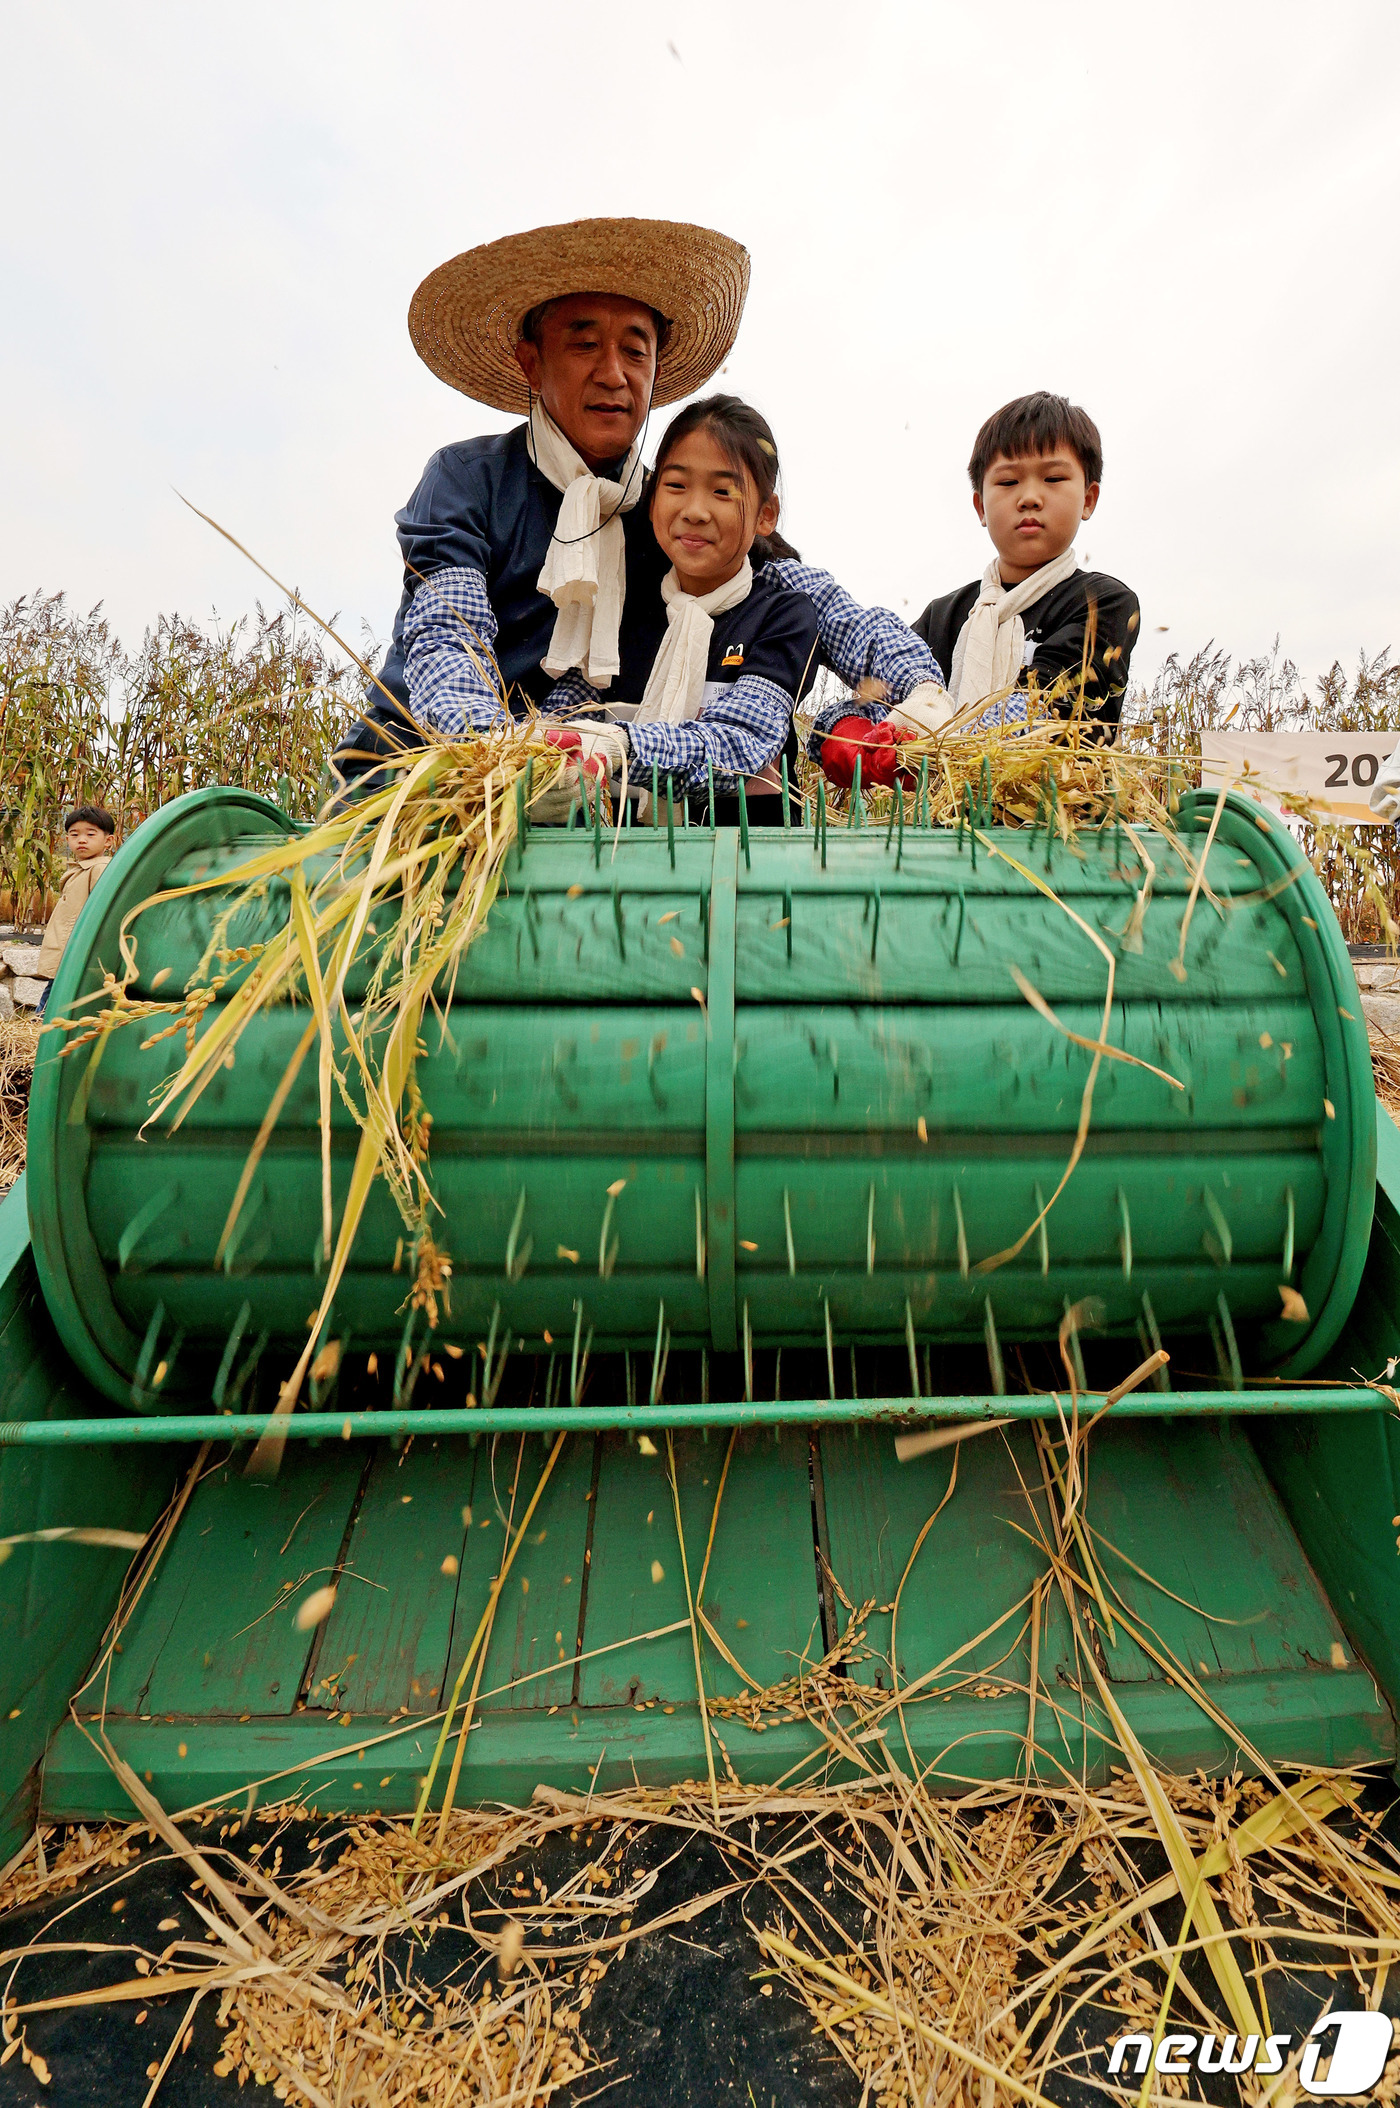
465	317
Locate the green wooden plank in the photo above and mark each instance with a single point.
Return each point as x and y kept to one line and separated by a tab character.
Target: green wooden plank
537	1618
1188	1503
218	1634
386	1641
1318	1719
762	1570
973	1566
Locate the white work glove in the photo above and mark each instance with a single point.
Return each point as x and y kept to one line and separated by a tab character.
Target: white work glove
1385	791
925	710
601	742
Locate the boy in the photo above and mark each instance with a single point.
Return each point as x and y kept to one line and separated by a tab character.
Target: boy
1031	618
90	829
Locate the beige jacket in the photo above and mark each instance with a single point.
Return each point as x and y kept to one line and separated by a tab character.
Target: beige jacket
59	928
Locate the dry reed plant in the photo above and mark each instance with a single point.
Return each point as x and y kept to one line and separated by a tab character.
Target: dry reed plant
258	703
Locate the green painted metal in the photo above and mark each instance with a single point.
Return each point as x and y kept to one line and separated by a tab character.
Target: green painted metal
590	1418
1306	1677
752	1165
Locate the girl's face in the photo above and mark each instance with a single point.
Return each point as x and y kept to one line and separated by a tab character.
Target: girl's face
705	513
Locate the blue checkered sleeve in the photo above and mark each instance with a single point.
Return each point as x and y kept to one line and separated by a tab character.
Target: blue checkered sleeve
737	733
857	642
449	636
574	696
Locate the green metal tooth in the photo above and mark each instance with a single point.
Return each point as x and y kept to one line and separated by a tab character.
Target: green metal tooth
744	826
699	1236
518	1256
607	1255
619	920
1151	1339
1075	1352
787	919
870	1232
787	1231
964	1267
1222	1229
1226	1345
913	1349
830	1351
660	1354
1042	1234
994	1360
748	1356
671	822
1125	1237
1288	1235
231	1346
921	817
787	814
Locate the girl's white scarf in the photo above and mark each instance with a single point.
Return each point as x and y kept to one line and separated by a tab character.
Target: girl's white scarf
992	642
585	573
676	686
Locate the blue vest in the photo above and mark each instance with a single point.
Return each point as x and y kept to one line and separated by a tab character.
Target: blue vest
482	505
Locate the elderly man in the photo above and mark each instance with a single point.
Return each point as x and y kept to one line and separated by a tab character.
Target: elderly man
528	554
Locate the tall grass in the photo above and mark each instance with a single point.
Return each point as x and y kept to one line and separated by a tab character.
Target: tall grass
257	702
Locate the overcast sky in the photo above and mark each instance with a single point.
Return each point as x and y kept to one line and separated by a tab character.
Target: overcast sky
1184	218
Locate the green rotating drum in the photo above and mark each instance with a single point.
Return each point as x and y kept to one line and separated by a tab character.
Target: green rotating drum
785	1088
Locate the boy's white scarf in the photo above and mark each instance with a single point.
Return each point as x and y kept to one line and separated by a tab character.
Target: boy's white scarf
676	686
585	572
992	642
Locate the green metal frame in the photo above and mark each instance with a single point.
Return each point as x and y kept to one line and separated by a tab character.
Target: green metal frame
1332	1273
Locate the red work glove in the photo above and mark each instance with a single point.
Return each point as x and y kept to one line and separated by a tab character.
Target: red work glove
571	742
877	747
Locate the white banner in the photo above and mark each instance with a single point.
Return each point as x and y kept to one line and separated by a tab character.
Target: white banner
1333	769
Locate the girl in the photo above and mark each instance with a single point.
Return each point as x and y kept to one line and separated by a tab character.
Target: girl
739	650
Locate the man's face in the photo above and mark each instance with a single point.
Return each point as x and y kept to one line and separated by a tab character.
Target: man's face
86	841
1032	506
593	370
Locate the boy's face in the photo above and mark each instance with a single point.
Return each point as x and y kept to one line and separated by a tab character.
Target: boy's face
86	841
1031	506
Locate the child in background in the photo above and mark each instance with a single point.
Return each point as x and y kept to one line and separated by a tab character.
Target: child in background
90	829
1034	616
739	650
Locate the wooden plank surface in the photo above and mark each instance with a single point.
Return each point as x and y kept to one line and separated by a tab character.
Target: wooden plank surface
760	1591
386	1641
218	1633
537	1618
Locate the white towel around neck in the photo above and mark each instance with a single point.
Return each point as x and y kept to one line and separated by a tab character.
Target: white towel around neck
676	685
585	572
992	642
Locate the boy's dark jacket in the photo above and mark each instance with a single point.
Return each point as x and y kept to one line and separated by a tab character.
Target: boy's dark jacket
1055	632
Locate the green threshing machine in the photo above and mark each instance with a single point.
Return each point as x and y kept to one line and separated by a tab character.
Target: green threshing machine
725	1124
